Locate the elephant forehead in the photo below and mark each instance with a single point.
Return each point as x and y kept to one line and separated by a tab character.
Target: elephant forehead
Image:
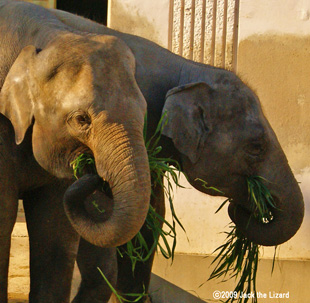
238	103
71	54
68	89
86	75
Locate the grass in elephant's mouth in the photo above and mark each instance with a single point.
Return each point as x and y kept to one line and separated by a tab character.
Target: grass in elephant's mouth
239	257
85	163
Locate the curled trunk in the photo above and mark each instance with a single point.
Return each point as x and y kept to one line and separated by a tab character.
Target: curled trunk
122	161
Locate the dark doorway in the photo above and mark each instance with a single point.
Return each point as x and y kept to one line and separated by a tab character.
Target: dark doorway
96	10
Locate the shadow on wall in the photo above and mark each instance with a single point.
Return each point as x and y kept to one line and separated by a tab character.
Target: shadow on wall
92	9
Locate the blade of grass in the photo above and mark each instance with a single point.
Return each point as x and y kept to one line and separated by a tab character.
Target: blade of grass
121	297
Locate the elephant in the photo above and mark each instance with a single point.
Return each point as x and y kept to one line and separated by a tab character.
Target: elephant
217	131
65	93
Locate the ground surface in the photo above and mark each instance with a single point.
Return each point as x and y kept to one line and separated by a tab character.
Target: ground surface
19	265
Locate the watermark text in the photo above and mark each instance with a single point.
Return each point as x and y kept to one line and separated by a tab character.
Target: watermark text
260	295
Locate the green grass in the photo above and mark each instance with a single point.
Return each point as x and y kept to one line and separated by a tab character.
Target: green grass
121	299
260	198
84	163
238	257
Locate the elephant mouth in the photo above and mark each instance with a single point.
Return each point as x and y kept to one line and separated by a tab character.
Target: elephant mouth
260	230
252	213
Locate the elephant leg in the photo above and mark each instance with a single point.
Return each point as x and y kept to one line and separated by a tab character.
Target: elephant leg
93	288
8	212
136	281
53	245
8	203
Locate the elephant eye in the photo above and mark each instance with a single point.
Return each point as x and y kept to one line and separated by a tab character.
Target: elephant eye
79	120
83	119
255	149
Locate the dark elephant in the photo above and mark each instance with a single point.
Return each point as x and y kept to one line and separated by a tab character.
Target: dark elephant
63	93
217	131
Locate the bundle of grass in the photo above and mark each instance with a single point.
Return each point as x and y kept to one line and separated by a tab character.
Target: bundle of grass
165	173
238	257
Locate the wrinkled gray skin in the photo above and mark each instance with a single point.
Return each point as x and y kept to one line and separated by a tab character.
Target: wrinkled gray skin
64	92
218	132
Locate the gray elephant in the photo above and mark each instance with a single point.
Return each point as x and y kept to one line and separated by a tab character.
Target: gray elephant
63	93
217	131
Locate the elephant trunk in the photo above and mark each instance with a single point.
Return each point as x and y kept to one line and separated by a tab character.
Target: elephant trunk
122	161
289	211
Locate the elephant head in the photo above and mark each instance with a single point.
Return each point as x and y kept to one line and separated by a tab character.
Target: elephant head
80	95
223	137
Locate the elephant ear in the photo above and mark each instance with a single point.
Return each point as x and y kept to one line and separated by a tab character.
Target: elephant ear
188	114
16	102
